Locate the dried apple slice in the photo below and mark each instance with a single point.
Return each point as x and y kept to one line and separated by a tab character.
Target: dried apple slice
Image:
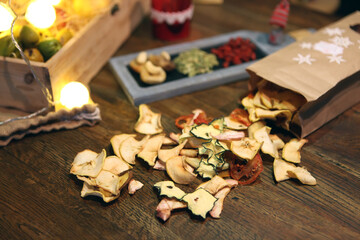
265	100
254	127
291	150
263	135
89	190
189	152
234	125
130	147
166	205
278	142
193	162
150	149
200	202
219	204
159	165
134	185
281	168
169	141
117	140
303	175
108	181
88	163
214	185
289	100
148	122
252	115
273	114
177	172
168	189
245	148
116	165
165	154
257	101
248	102
283	116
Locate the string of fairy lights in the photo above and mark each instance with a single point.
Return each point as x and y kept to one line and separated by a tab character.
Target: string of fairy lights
41	14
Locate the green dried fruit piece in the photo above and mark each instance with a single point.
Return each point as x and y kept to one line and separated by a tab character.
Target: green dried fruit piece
195	61
168	189
200	202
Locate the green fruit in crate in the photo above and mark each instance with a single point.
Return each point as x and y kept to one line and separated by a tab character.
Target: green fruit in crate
29	36
45	34
34	54
49	47
7	47
63	36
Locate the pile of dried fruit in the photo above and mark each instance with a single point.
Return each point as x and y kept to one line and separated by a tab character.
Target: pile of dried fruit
236	51
225	151
103	176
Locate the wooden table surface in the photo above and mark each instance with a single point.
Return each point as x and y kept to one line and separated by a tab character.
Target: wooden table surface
39	199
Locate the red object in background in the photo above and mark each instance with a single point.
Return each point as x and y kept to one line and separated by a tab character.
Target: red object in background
171	19
280	14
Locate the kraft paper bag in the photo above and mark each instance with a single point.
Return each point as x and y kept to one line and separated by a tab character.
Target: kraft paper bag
324	68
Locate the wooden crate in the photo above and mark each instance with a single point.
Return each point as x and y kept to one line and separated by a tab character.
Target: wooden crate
79	60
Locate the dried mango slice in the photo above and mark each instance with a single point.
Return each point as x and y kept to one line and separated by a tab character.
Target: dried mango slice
200	202
88	163
168	189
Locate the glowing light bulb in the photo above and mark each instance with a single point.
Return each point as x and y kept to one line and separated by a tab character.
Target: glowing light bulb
73	95
6	17
41	14
54	2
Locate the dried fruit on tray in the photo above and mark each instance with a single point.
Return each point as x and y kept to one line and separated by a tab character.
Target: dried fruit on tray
236	51
195	61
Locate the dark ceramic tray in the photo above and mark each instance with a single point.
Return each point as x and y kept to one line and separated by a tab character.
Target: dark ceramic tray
177	83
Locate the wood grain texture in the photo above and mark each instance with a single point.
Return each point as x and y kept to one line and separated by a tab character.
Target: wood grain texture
39	199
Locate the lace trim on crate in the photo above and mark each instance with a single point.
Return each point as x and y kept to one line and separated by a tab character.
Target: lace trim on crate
172	17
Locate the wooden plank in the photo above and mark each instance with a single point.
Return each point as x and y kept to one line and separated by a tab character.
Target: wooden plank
86	54
18	87
79	60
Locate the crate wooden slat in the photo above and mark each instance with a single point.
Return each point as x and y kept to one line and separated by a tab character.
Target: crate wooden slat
79	60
